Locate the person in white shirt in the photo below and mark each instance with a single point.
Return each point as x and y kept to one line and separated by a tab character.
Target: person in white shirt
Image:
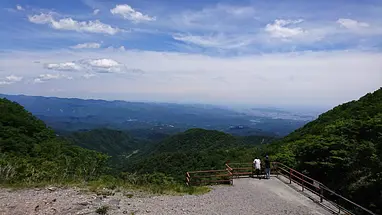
257	167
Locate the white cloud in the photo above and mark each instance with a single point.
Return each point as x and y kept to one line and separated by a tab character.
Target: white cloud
13	78
122	48
101	65
96	11
280	29
42	18
88	75
294	79
127	12
68	66
73	25
10	80
217	18
46	77
215	41
19	7
112	48
359	28
352	24
87	46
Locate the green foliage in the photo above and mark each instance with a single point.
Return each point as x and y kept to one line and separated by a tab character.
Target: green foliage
102	210
195	149
30	153
157	183
111	142
342	148
20	130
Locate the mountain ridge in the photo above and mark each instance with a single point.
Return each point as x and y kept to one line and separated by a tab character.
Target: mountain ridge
76	114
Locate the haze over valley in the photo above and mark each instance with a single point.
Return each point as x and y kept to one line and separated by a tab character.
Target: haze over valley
163	107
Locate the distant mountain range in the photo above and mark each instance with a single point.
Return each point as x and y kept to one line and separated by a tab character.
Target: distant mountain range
71	114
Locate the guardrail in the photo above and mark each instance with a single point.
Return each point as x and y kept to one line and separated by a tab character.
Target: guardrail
241	169
209	177
343	204
246	169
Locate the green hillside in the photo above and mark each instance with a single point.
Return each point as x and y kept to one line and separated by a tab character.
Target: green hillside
111	142
195	149
342	148
30	152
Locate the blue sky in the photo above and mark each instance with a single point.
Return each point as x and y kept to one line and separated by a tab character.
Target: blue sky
222	52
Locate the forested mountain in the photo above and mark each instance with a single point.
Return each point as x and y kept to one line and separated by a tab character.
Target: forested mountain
195	149
342	148
111	142
31	153
70	114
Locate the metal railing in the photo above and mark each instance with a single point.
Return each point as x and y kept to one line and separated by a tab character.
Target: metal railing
343	204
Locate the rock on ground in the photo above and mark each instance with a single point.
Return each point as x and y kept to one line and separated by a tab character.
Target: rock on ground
247	196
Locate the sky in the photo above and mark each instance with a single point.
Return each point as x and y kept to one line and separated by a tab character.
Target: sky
231	52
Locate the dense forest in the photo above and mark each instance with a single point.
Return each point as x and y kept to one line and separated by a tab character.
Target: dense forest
345	141
342	148
195	149
31	153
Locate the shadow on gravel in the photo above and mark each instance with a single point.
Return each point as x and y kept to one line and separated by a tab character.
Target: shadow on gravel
325	204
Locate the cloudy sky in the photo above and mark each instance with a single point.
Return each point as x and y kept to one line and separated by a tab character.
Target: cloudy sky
221	52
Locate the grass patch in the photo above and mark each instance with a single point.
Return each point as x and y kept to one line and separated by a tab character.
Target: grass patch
102	210
109	185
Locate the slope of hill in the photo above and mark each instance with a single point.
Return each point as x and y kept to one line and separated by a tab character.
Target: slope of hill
111	142
75	114
342	148
195	149
30	152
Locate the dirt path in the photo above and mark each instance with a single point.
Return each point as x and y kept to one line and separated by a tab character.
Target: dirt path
247	196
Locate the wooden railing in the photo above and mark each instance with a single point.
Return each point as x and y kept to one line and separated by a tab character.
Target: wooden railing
240	169
342	204
246	169
209	177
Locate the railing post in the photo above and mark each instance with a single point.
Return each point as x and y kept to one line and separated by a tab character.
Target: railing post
188	178
321	194
252	176
290	176
277	169
339	207
302	183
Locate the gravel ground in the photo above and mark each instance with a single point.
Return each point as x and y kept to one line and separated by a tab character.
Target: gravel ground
247	196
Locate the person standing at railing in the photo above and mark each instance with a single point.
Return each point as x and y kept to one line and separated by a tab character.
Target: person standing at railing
257	167
267	167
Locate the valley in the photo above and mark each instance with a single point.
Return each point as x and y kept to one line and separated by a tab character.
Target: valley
345	140
70	114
